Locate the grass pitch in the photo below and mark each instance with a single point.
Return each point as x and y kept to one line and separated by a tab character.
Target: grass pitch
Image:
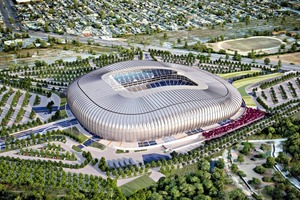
243	83
137	184
255	43
234	74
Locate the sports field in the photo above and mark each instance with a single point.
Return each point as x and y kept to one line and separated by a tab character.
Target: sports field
247	44
243	83
234	74
137	184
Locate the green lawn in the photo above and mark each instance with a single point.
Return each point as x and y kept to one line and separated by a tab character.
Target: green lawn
137	184
63	114
249	101
242	90
98	145
185	170
63	101
243	83
121	151
234	74
76	132
76	148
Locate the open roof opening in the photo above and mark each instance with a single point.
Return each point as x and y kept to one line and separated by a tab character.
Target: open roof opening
143	79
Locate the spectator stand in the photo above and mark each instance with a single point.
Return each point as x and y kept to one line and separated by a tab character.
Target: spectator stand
248	117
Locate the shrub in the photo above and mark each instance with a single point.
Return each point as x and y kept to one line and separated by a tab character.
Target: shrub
259	169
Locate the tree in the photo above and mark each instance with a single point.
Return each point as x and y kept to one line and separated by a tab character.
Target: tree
247	147
102	164
234	168
237	194
259	169
254	181
277	177
294	47
270	162
279	65
283	159
102	14
175	193
227	56
185	44
46	27
204	165
252	54
49	106
49	94
140	55
240	158
220	163
236	56
267	61
155	196
271	131
295	169
165	36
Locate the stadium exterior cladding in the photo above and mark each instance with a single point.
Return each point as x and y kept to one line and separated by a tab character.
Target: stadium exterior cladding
144	100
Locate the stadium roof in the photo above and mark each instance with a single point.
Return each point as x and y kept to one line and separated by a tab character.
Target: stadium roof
102	88
144	100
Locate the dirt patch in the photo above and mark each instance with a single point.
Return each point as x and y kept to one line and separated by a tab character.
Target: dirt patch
50	54
288	58
247	44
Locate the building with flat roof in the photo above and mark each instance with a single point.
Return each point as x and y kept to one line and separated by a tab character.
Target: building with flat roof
144	100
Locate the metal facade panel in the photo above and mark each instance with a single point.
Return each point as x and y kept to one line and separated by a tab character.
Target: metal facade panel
151	113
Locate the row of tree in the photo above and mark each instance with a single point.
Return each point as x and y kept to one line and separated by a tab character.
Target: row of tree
279	80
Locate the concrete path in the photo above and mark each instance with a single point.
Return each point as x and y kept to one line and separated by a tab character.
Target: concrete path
88	169
236	179
28	109
155	174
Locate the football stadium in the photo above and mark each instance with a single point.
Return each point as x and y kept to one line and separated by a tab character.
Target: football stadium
135	101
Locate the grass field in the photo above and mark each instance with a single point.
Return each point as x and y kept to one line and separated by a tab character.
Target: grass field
137	184
76	132
234	74
247	44
243	83
185	170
